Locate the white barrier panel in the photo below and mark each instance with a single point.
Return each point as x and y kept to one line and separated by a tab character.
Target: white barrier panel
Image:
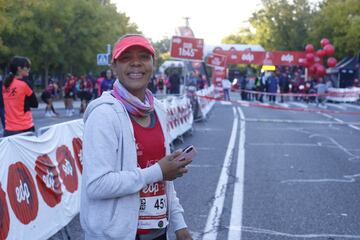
205	105
40	181
179	115
343	94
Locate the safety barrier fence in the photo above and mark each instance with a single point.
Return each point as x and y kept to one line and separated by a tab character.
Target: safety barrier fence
40	175
278	107
332	94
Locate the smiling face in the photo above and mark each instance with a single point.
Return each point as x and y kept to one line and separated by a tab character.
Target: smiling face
134	67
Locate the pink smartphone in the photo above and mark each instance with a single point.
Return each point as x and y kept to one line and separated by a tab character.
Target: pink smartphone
188	152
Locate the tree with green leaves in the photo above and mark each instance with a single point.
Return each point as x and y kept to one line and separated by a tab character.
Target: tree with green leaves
162	49
278	25
290	25
60	35
339	21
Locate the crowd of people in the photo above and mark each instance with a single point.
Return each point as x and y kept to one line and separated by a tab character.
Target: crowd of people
173	82
281	86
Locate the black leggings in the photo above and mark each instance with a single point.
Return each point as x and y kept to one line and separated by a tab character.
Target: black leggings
162	237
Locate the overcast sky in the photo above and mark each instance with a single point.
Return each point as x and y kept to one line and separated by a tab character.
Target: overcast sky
210	20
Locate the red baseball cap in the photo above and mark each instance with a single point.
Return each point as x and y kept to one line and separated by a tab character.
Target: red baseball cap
129	41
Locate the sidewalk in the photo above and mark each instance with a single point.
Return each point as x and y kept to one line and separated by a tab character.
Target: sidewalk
59	104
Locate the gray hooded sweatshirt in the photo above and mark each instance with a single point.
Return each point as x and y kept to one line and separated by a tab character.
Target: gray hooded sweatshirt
111	181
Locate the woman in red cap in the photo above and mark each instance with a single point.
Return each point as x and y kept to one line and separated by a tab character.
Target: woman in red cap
127	188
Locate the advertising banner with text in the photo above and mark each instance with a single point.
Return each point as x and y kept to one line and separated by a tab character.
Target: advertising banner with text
287	58
216	60
187	48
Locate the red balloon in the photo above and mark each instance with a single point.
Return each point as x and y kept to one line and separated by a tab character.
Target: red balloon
324	42
329	50
331	62
309	48
320	71
312	69
320	53
306	63
310	57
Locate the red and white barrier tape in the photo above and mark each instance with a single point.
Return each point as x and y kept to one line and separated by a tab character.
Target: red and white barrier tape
277	107
328	94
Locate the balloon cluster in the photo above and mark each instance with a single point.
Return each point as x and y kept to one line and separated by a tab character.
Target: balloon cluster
314	60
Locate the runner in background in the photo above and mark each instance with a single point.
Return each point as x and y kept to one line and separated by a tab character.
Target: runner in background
47	97
108	81
226	85
99	81
320	91
69	94
86	90
160	83
19	98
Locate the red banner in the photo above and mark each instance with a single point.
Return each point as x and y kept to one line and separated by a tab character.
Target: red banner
216	60
247	56
287	57
218	74
251	57
187	48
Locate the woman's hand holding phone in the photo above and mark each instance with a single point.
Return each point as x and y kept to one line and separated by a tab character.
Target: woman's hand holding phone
187	153
172	169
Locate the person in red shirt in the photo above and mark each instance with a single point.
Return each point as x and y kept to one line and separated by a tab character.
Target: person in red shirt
127	185
86	89
69	91
19	98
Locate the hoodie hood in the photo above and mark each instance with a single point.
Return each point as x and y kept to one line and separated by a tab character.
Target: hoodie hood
105	98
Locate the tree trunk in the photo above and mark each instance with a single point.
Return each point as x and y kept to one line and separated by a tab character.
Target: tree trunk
46	68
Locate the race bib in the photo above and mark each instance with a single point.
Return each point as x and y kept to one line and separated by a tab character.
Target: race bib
153	206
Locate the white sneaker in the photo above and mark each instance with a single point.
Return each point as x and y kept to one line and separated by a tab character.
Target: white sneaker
48	114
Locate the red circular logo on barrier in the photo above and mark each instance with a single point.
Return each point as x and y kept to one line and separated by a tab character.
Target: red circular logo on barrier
66	164
22	193
47	179
77	147
4	215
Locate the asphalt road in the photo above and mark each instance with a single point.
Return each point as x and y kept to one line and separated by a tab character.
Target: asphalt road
263	174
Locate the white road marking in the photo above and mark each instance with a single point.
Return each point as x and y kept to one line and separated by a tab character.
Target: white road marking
351	106
302	236
285	105
238	196
301	105
351	125
346	179
225	103
352	157
336	106
213	220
